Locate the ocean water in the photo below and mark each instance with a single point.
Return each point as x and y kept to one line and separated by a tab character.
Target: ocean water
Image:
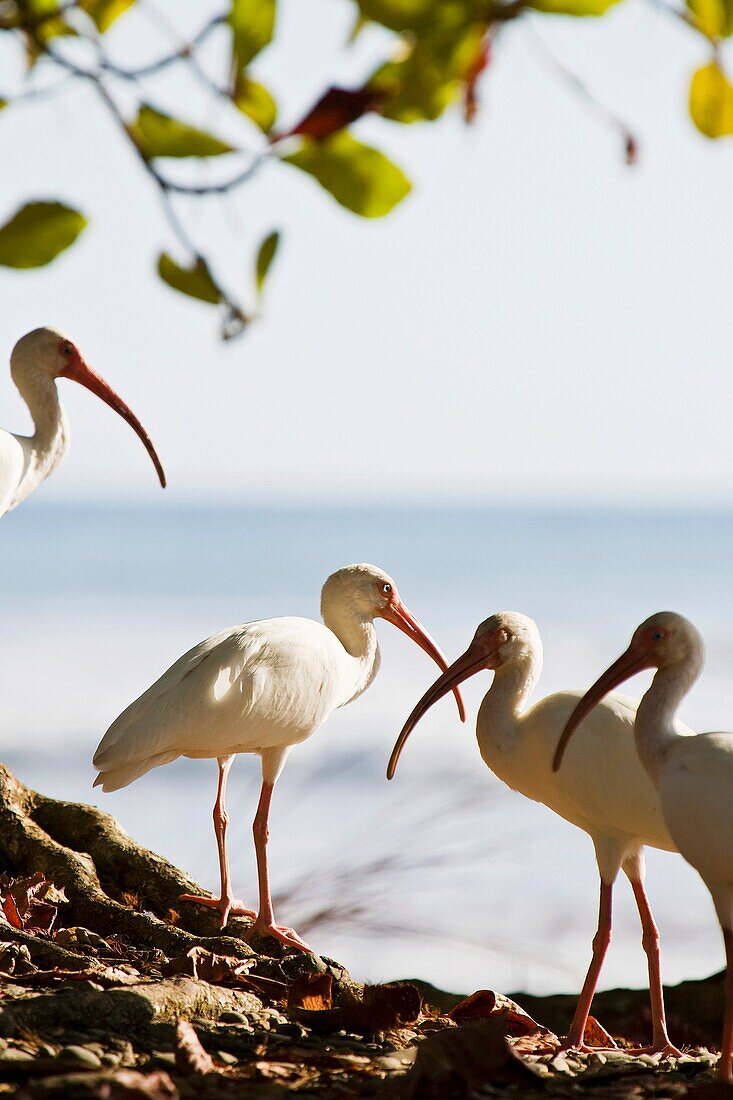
444	873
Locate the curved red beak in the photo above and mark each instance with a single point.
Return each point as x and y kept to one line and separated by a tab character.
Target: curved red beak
630	662
473	660
397	614
78	371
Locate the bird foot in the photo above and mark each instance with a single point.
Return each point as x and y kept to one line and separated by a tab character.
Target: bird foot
285	935
228	907
582	1048
664	1048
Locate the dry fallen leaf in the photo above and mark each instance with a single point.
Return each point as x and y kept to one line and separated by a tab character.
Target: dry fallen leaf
595	1034
460	1060
191	1058
311	991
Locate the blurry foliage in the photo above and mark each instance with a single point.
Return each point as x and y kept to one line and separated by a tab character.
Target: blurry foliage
434	57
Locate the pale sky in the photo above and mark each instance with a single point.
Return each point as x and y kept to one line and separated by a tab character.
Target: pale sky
535	321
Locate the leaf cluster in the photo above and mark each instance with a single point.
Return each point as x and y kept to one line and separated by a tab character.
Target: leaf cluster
435	53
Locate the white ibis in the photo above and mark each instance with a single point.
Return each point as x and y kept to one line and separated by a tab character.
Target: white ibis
694	776
260	688
37	360
603	790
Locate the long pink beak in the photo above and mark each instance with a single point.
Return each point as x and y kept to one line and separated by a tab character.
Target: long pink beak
465	666
79	372
397	614
628	664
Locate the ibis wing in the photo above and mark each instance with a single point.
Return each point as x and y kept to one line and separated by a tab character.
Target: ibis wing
247	689
12	469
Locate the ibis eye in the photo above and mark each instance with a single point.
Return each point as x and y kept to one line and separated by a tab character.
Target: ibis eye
67	350
387	589
658	635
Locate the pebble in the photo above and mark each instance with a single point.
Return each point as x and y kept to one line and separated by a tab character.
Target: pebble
110	1060
79	1056
227	1058
230	1017
292	1030
12	1054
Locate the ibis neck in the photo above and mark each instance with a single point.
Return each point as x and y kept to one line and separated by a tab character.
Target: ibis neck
49	442
654	728
358	636
505	701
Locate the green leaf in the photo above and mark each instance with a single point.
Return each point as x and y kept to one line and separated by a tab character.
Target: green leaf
399	15
713	17
428	79
105	12
3	104
253	25
573	7
159	135
37	233
711	102
265	256
255	101
361	178
196	281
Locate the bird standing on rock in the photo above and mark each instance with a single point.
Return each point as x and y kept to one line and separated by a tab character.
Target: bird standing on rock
693	775
603	790
37	360
260	688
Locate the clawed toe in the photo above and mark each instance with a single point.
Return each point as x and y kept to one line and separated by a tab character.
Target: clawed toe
227	909
284	935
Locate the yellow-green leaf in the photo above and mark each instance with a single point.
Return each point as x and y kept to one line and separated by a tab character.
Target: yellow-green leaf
361	178
265	256
159	135
195	281
37	233
255	101
399	15
573	7
105	12
3	103
713	17
711	102
253	25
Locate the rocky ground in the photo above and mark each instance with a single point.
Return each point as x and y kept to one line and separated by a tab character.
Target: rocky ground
109	988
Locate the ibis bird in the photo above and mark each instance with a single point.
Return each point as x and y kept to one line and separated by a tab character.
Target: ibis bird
694	776
38	359
603	790
260	688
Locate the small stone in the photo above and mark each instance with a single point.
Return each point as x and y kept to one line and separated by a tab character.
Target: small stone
110	1060
12	1054
292	1030
230	1017
162	1058
227	1058
80	1057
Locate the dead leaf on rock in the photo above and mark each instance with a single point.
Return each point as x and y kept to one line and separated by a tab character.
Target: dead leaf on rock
31	903
200	963
191	1058
311	991
595	1034
480	1004
459	1061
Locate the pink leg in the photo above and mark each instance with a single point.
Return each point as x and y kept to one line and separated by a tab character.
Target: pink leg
650	943
601	940
265	923
726	1049
226	903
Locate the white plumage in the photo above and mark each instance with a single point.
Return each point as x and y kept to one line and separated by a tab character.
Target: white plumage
37	360
603	789
259	688
694	776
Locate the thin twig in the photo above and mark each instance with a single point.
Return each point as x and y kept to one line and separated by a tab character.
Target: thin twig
593	105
